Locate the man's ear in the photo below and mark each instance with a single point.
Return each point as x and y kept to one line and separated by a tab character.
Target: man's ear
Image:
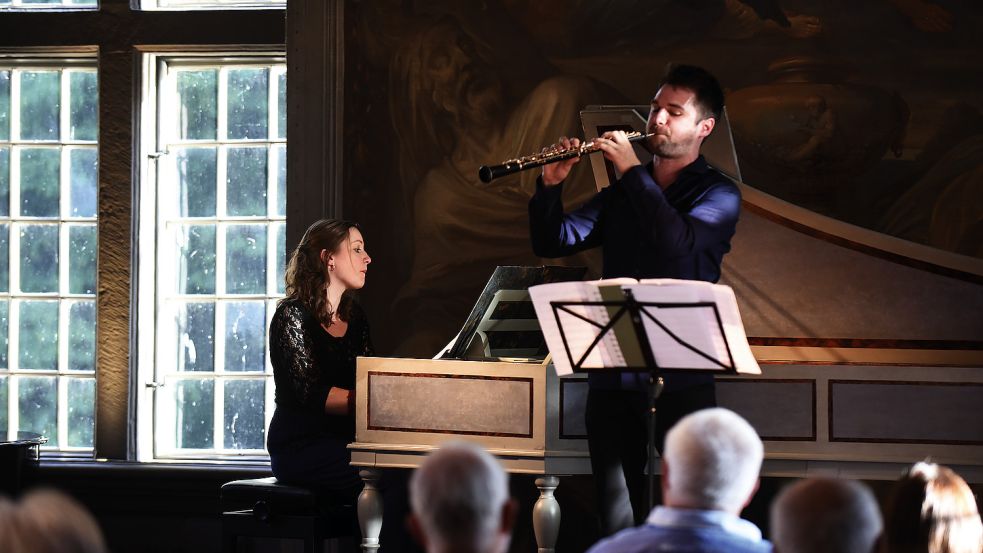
706	126
416	530
510	512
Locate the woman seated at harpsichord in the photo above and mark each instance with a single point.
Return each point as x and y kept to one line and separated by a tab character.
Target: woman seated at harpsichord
315	336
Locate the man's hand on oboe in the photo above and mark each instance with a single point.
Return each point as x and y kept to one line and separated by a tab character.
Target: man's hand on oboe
555	173
618	150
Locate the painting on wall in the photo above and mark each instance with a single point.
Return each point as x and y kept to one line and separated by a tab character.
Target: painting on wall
866	112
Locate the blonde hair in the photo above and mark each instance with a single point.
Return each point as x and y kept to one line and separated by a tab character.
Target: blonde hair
933	510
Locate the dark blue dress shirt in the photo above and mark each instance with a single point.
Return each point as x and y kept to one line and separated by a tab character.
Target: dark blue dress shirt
682	232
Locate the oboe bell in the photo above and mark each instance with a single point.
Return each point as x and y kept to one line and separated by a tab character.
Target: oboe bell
489	173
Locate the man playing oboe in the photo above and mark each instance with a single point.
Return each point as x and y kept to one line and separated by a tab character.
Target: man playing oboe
671	218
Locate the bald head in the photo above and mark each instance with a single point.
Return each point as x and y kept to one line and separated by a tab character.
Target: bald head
823	515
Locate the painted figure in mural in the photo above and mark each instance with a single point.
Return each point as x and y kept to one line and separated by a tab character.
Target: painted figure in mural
455	100
671	218
315	336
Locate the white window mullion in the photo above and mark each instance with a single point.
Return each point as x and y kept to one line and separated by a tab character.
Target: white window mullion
61	410
218	424
219	386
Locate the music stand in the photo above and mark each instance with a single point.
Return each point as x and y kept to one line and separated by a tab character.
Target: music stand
638	312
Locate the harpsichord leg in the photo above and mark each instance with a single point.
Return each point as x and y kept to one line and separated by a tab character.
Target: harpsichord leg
370	510
546	514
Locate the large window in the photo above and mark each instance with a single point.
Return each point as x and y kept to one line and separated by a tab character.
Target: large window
48	208
212	211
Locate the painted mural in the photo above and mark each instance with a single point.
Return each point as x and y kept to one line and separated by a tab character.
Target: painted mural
869	112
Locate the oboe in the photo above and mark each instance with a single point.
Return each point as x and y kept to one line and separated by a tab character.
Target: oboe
509	166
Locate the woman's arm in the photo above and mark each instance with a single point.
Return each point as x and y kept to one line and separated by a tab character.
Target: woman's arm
292	352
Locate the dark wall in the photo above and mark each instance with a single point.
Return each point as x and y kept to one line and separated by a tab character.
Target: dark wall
865	112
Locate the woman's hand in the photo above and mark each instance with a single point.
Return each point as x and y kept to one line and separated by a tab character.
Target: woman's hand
339	402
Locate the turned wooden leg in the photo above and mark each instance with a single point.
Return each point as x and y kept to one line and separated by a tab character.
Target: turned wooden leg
546	514
370	510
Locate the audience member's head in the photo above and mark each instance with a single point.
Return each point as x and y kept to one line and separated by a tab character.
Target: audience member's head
822	515
47	521
932	511
460	501
711	461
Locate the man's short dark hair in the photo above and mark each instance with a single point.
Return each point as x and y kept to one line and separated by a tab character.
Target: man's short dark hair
709	95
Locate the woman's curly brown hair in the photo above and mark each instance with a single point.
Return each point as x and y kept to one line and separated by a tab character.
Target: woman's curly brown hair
306	277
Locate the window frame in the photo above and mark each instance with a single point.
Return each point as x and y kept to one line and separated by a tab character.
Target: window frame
145	384
67	61
20	6
208	5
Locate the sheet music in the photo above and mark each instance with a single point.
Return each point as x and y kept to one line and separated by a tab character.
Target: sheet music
697	326
579	334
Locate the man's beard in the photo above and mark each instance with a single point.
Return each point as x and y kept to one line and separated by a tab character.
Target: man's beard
667	148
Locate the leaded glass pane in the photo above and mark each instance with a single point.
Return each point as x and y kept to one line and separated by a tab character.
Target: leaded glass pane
4	182
37	346
198	91
39	258
197	174
248	97
195	412
37	406
245	268
245	402
197	259
40	105
84	105
40	177
245	336
280	234
4	395
81	411
246	181
4	105
4	258
84	184
196	337
4	334
281	180
281	131
82	249
82	336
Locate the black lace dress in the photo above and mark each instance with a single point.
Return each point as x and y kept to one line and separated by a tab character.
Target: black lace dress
306	445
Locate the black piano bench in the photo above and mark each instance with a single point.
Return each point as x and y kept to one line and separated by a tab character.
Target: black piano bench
265	508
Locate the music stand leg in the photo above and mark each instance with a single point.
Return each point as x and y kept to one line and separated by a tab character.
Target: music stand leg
654	390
